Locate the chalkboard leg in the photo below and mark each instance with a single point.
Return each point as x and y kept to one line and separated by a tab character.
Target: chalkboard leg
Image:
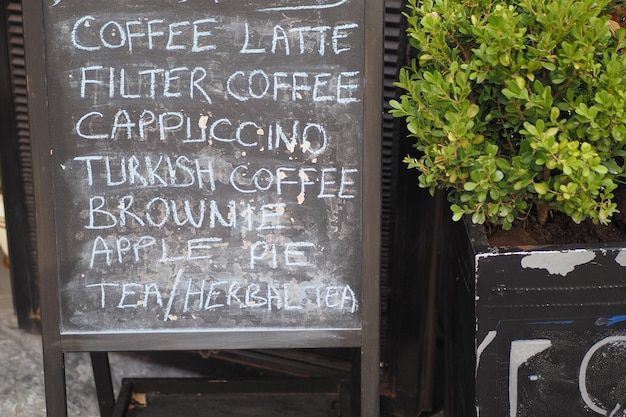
104	385
345	398
123	400
355	383
370	382
54	380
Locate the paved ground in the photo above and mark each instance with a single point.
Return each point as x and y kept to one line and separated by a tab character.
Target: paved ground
22	380
21	374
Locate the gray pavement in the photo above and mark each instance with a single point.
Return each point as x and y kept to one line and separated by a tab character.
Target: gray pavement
22	381
21	369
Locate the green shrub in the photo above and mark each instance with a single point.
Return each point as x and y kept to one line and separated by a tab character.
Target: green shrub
515	105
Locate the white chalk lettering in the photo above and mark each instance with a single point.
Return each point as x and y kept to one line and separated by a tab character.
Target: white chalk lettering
299	85
262	250
302	40
326	182
106	251
310	138
245	49
170	301
295	254
144	83
148	171
159	211
273	295
346	183
208	295
213	208
342	32
91	34
152	290
127	292
252	296
91	120
102	291
213	295
199	291
315	6
347	83
271	216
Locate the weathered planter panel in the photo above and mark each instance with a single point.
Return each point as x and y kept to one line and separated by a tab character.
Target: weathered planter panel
549	335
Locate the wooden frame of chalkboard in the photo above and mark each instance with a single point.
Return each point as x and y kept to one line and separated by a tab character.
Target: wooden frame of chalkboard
208	176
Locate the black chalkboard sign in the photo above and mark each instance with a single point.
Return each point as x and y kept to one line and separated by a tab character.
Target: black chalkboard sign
208	168
206	163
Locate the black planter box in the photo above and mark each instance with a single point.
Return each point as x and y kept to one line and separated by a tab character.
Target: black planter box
533	332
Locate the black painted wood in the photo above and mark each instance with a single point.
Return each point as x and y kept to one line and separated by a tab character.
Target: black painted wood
104	384
53	353
242	339
534	331
211	398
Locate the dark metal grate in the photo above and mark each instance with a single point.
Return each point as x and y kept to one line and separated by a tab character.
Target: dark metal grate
393	30
18	79
20	204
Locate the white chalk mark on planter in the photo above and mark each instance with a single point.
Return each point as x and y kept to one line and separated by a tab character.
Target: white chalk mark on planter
558	262
483	345
582	374
621	258
521	351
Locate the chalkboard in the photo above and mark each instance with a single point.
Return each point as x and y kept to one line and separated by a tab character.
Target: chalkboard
546	340
207	163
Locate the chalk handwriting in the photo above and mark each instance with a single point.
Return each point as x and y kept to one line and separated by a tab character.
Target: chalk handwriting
153	82
299	40
90	34
197	213
121	249
183	172
295	253
184	82
193	295
304	7
310	137
148	171
294	86
272	9
217	151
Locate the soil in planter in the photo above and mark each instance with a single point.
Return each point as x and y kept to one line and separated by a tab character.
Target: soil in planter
560	229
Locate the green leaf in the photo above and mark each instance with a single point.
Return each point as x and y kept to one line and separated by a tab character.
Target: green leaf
478	218
472	111
497	176
600	169
457	212
541	188
470	186
552	131
554	114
